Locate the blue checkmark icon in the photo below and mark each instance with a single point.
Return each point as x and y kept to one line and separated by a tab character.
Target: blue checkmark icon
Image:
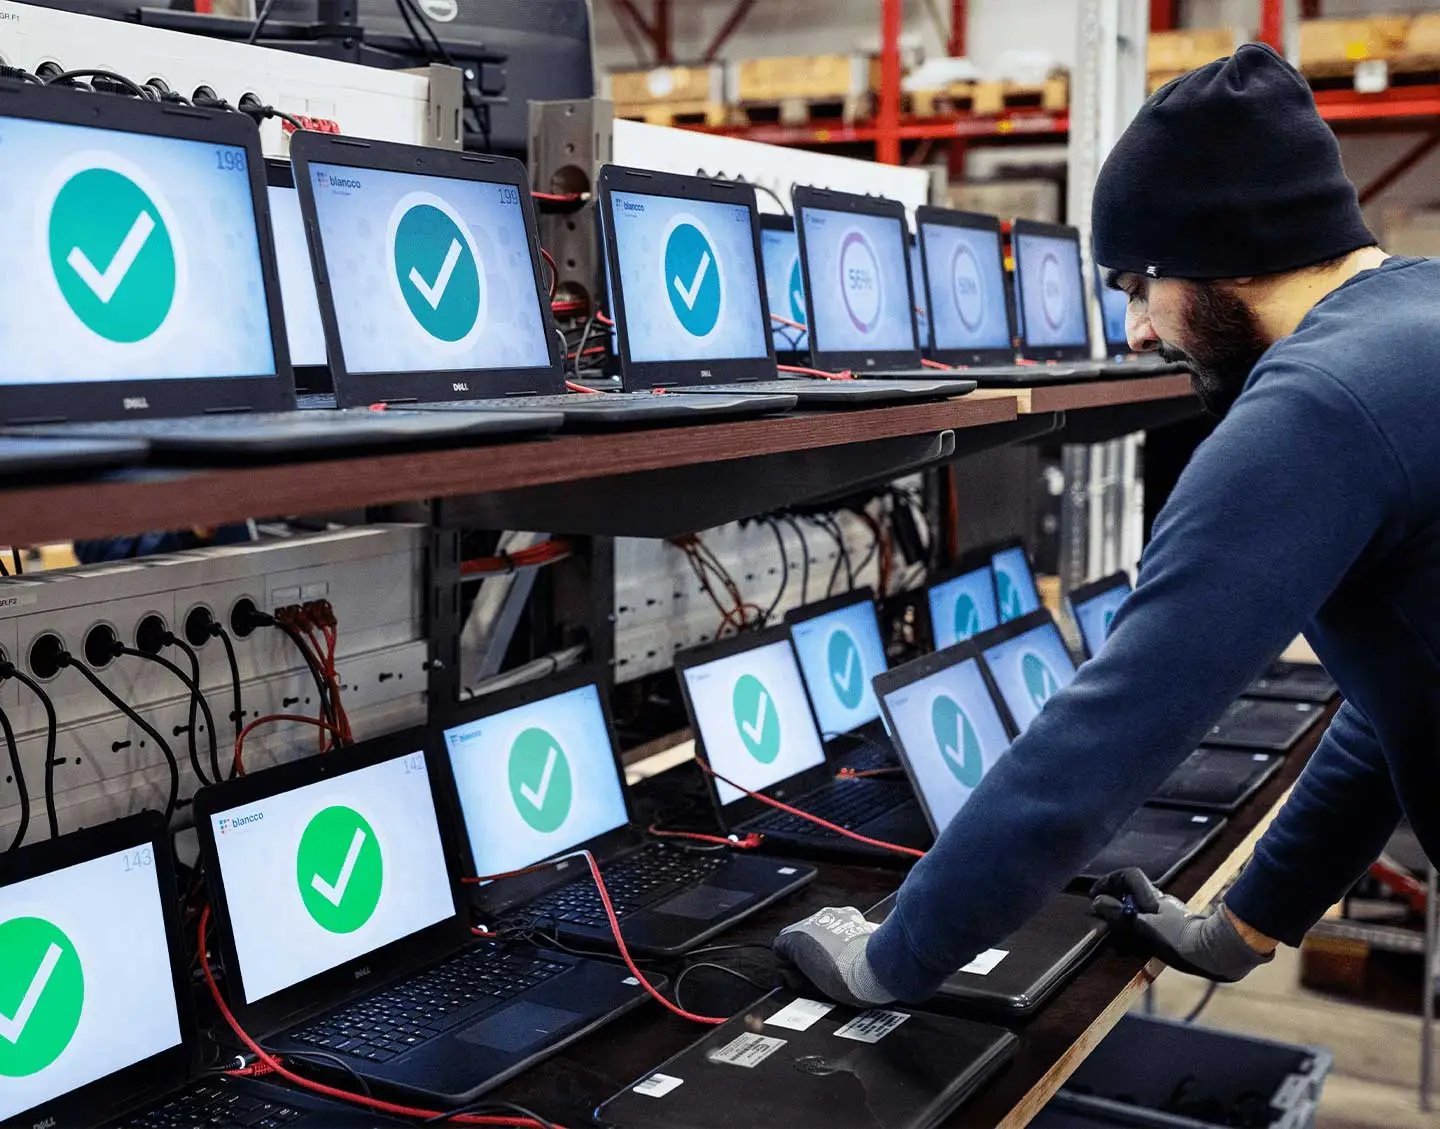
437	272
692	279
847	673
956	740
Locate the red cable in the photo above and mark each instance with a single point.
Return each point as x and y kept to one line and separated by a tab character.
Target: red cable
787	321
862	773
274	1065
928	363
571	306
238	765
560	197
602	318
590	351
745	843
554	275
576	387
624	950
819	374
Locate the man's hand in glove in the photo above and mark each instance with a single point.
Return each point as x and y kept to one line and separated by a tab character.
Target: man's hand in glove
1208	945
829	948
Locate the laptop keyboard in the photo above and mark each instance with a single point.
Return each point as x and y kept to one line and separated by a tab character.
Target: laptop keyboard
215	1105
380	1027
849	805
237	422
640	879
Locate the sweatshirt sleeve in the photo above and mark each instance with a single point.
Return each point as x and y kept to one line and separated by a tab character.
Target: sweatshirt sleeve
1271	513
1334	825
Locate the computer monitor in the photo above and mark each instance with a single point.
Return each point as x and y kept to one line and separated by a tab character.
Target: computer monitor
784	283
962	605
536	779
840	649
1015	590
1093	608
1029	664
1113	304
965	282
1050	291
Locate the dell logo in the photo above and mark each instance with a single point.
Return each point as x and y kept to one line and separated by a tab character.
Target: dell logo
362	972
135	404
706	372
460	386
48	1123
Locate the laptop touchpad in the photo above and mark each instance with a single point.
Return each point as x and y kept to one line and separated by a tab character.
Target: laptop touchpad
518	1027
703	902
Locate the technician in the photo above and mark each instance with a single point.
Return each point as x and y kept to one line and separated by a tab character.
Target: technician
1224	215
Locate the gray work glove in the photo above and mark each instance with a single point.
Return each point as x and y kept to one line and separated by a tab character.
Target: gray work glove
1205	945
829	948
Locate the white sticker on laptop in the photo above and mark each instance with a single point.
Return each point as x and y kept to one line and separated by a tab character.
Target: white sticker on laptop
788	870
746	1050
986	962
657	1085
800	1014
1199	819
1258	757
872	1026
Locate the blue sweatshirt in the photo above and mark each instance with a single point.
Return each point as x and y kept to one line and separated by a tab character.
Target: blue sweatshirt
1314	506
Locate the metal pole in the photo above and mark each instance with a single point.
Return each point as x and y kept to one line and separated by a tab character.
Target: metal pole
887	120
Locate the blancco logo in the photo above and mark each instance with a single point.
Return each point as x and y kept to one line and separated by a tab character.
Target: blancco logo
342	181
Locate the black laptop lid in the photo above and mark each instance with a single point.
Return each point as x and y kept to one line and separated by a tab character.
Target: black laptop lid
94	999
1050	291
841	650
1028	664
965	287
304	329
428	271
784	287
326	874
1016	593
1113	305
859	301
687	289
1093	607
141	271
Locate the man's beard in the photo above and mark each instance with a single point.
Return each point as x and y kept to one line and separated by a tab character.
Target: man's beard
1226	342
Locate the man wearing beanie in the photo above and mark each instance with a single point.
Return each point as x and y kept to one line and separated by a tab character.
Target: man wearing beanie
1224	215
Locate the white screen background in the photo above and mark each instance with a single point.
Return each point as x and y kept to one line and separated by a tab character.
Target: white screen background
966	286
812	643
780	251
979	586
835	330
1006	664
1014	566
1090	616
1047	272
303	329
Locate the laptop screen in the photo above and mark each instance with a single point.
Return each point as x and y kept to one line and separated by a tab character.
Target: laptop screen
428	273
785	287
840	652
536	780
1047	278
1113	304
753	718
86	983
966	286
338	869
130	257
856	264
962	606
922	312
950	734
297	280
691	282
1029	670
1015	591
1094	616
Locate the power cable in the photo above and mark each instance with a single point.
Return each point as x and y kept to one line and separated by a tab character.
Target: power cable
17	770
774	527
52	729
196	699
237	716
260	20
689	968
488	1105
65	78
804	557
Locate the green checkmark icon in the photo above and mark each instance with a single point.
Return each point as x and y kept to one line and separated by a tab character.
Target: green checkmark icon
756	718
340	869
112	255
540	783
955	738
437	272
42	993
847	673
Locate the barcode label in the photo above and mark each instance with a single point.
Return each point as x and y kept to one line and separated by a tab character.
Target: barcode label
800	1014
747	1050
986	962
657	1085
871	1026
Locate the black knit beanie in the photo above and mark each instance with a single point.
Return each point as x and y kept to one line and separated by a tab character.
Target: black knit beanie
1225	172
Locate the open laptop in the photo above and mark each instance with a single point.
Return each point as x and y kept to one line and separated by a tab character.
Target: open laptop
922	313
792	1061
1124	362
960	603
963	280
1016	593
304	328
336	915
949	734
784	288
149	307
1028	665
431	288
535	772
690	298
753	725
97	1030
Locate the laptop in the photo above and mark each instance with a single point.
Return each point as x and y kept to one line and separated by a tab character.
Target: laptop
841	650
1122	361
784	288
431	288
336	915
1028	665
535	772
150	309
304	328
94	1029
917	275
753	725
963	280
788	1060
960	603
690	299
1016	593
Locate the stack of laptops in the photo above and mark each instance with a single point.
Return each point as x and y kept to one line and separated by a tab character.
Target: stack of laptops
753	725
949	734
536	773
336	914
1028	665
792	1061
97	1029
689	295
1124	362
149	308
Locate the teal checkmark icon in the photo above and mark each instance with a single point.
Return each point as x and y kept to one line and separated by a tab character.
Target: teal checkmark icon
1105	621
540	783
847	673
42	994
967	617
1040	682
797	292
1007	595
756	718
692	279
438	275
956	741
112	255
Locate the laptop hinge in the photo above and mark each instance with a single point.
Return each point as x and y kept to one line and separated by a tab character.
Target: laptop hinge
525	392
228	410
31	421
389	400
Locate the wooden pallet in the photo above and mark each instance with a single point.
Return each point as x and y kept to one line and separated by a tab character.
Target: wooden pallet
697	112
990	97
667	87
811	78
802	111
1171	53
1406	44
